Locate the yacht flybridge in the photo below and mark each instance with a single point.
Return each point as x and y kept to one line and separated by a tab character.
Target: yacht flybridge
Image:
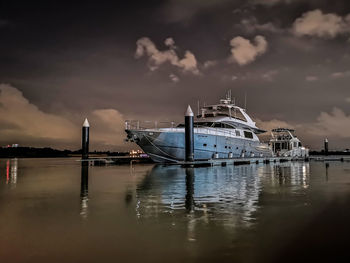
226	115
221	130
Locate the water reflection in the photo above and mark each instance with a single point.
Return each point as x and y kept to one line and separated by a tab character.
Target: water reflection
84	190
289	174
7	171
11	172
327	167
229	195
189	203
14	168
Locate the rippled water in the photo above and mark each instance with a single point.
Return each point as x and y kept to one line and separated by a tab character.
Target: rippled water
54	210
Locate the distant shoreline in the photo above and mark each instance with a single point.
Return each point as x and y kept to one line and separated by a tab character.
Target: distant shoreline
47	152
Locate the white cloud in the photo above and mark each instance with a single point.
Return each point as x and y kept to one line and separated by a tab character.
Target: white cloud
272	124
23	122
189	63
24	119
108	127
169	42
269	75
210	63
338	75
269	125
316	23
145	47
336	124
311	78
244	51
174	78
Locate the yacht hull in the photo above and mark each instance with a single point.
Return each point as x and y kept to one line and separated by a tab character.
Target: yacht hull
164	147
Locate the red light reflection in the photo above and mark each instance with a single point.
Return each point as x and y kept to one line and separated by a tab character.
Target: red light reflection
7	171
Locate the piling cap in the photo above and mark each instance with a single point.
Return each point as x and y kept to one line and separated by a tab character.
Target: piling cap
86	123
189	111
326	140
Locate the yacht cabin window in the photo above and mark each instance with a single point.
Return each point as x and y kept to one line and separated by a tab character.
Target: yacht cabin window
214	125
203	124
248	134
210	124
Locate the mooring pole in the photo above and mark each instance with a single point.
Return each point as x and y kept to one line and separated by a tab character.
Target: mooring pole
189	199
326	146
85	140
189	135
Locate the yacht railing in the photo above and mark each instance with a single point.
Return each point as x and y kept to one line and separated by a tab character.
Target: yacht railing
172	126
142	125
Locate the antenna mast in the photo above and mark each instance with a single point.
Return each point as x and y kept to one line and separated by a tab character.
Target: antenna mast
229	96
198	108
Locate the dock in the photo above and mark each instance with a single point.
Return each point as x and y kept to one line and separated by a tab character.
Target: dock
103	161
240	161
330	158
128	160
116	160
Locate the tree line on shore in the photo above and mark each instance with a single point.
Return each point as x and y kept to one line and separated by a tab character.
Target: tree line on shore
32	152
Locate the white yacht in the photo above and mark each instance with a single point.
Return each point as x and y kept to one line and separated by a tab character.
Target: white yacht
223	130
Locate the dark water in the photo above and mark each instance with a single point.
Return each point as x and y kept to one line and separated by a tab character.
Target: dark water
53	210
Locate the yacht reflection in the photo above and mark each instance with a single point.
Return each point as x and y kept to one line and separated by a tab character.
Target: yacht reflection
296	174
229	195
84	190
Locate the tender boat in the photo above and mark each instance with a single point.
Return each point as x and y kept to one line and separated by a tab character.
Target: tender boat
223	130
285	143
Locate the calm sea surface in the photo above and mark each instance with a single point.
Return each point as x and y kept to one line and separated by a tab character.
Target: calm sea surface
54	210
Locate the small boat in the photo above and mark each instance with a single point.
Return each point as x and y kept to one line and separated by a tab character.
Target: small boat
285	143
222	130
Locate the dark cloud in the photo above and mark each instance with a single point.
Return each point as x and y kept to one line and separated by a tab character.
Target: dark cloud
66	61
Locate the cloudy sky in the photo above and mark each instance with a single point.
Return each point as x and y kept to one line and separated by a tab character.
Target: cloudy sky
60	63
